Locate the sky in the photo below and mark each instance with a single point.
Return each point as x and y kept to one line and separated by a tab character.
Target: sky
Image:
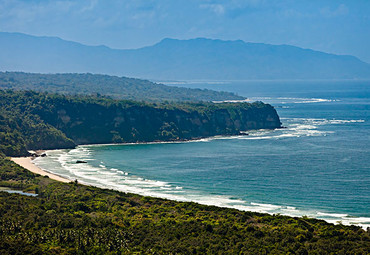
333	26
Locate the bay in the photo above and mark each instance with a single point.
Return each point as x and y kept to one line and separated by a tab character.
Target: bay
318	166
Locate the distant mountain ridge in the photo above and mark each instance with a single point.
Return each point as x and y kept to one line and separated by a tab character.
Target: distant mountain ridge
178	60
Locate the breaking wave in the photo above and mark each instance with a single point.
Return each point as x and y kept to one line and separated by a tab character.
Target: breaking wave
293	100
294	127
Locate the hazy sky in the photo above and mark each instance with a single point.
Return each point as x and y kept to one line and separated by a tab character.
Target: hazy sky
335	26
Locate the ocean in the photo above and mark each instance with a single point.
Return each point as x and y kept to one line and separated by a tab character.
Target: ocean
318	166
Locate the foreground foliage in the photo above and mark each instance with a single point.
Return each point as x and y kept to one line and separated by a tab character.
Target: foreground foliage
31	120
77	219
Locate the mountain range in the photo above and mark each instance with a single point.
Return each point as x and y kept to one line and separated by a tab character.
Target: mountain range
172	59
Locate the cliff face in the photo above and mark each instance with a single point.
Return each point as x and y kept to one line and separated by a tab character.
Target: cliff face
31	120
97	123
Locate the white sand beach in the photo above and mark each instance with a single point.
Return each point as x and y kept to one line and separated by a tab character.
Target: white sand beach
27	163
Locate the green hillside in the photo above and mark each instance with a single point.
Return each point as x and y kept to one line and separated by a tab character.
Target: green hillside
111	86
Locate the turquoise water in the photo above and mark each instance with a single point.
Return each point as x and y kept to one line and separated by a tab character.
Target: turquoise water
318	166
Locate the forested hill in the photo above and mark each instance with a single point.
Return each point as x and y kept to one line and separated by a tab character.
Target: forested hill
34	120
112	86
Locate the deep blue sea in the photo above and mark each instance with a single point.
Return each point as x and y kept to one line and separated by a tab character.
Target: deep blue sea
318	166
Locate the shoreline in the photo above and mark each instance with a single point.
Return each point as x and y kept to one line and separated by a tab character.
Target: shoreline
26	162
201	139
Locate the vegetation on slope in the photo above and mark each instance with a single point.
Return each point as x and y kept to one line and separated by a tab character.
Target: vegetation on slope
77	219
21	130
32	120
112	86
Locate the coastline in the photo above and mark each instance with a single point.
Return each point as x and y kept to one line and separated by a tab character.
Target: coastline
200	139
26	162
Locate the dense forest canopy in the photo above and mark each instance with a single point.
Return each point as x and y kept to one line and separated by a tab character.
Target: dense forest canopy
35	120
111	86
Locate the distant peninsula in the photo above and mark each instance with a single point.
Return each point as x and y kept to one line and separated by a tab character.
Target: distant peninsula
109	86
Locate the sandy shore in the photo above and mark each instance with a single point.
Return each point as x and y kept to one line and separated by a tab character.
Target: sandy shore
26	162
